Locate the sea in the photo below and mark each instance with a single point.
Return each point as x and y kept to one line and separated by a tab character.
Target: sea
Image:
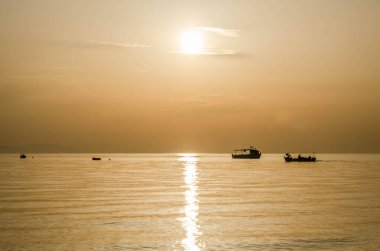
189	202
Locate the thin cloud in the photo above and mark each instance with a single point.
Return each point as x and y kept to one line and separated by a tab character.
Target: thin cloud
218	51
96	44
117	45
213	52
220	31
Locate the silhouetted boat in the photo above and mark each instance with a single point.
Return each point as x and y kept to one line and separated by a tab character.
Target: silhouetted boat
289	158
22	156
249	153
96	158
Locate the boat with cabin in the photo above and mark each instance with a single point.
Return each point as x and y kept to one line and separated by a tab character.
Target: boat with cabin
247	153
288	158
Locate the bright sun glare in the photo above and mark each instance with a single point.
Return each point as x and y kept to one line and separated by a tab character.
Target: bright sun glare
192	42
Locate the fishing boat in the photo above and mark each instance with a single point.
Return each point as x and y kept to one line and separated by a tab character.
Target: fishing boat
96	158
248	153
288	158
22	156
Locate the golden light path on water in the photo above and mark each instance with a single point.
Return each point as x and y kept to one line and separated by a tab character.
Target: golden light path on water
189	222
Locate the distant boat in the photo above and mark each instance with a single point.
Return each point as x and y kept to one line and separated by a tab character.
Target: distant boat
249	153
289	158
22	156
96	158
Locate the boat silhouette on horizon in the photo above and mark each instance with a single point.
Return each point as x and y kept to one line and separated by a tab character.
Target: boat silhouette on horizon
246	153
288	158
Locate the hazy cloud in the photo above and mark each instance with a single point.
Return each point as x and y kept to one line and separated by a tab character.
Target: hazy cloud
210	100
214	52
218	51
220	31
117	45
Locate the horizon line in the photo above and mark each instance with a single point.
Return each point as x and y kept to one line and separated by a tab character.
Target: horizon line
180	152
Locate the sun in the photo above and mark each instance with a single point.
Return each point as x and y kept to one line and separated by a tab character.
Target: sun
192	42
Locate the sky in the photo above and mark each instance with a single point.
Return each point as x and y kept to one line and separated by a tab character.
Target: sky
126	76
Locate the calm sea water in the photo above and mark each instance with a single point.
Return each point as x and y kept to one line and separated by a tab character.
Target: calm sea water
189	202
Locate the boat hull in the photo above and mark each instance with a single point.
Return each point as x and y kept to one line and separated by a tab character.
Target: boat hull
246	156
312	159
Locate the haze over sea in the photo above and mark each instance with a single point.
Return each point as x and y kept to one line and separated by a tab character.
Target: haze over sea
189	202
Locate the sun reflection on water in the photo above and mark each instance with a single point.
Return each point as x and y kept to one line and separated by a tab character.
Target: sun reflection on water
190	219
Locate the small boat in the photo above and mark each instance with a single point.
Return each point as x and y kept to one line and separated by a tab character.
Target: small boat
22	156
289	158
249	153
96	158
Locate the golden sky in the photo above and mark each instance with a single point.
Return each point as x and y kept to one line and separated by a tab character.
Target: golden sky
189	76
